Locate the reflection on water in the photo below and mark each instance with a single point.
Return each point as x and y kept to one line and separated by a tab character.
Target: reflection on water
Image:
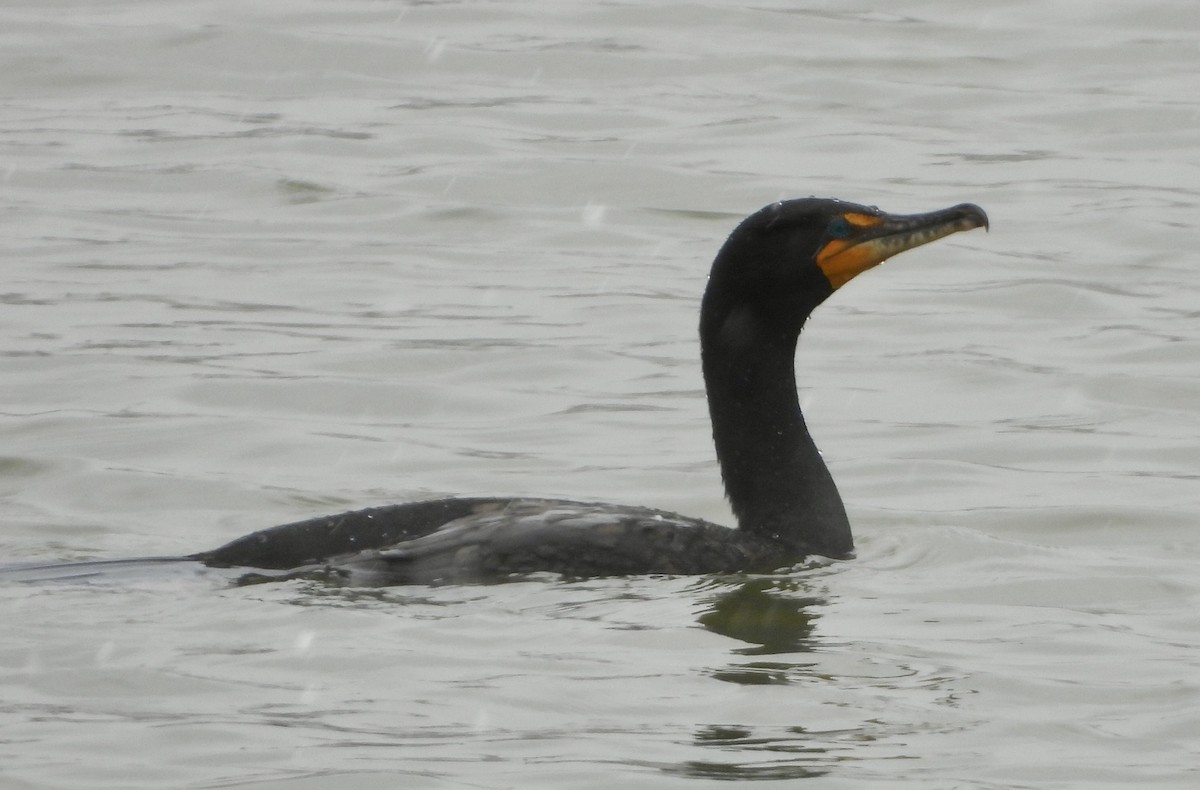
775	614
745	771
780	752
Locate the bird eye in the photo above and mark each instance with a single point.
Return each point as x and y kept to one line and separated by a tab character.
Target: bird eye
839	228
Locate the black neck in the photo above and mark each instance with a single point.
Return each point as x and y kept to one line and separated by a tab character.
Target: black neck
774	476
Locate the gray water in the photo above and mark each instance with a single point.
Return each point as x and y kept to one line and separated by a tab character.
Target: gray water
265	261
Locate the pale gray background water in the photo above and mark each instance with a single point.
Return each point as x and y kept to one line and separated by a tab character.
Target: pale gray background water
268	260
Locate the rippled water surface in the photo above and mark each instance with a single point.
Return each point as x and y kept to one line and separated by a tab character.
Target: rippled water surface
270	260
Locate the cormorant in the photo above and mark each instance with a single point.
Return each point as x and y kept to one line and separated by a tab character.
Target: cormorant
774	269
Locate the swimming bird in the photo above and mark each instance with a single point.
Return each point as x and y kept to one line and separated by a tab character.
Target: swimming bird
775	268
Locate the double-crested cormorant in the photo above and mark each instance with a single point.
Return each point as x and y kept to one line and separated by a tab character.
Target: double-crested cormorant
775	268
